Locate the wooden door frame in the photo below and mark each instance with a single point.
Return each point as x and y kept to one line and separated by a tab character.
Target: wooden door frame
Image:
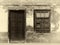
8	22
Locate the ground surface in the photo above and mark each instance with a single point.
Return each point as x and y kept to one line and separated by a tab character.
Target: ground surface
43	38
33	37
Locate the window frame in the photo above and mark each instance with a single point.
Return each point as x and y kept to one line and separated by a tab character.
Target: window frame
37	10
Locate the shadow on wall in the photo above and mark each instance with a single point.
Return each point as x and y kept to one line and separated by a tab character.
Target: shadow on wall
3	37
55	18
29	28
33	37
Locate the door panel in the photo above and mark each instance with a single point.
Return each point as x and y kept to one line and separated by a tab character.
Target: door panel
16	25
42	21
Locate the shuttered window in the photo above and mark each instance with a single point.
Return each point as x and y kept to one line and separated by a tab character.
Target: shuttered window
42	21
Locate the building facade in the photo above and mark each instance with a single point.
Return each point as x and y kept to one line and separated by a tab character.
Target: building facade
20	17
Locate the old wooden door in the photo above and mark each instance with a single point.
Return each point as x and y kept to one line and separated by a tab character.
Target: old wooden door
42	21
16	25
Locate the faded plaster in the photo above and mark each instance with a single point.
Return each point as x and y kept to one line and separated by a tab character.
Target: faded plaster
6	5
55	18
